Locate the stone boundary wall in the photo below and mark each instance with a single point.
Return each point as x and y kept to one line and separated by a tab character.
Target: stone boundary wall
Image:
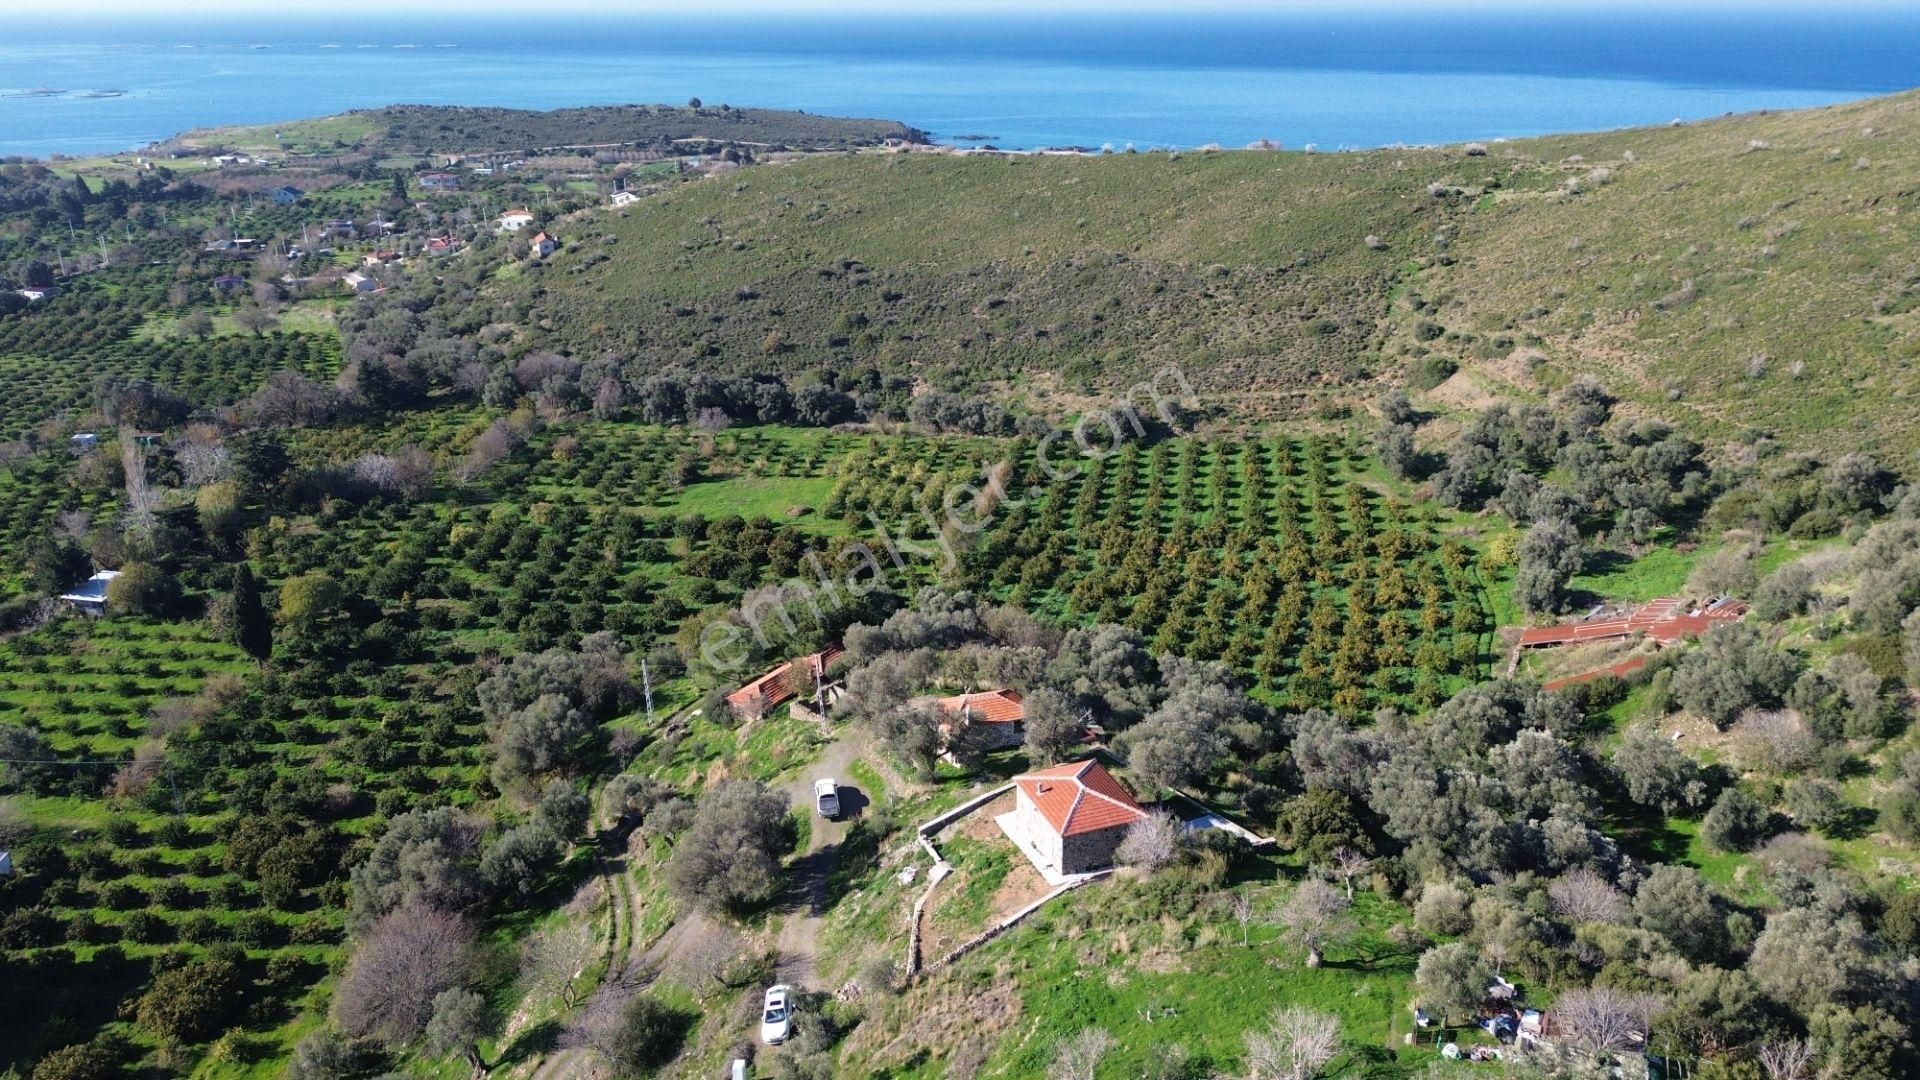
1009	922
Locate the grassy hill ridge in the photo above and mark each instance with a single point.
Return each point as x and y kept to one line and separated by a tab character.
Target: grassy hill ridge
1753	271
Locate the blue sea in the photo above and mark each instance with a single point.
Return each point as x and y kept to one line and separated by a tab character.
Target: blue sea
1334	80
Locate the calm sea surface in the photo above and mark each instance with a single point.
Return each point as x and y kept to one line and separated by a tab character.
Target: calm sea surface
1332	80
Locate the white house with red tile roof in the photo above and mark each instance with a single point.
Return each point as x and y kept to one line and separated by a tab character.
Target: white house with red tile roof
782	682
1071	818
515	220
998	713
542	246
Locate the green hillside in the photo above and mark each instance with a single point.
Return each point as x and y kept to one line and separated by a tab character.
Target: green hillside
1664	260
424	129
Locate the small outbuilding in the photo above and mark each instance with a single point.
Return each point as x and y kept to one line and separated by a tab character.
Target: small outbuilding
90	596
781	684
542	246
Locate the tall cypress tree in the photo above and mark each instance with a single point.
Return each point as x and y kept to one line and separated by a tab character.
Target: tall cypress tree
252	630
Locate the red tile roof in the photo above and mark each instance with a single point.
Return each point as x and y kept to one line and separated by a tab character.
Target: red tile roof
1079	797
987	707
1619	671
775	687
1665	621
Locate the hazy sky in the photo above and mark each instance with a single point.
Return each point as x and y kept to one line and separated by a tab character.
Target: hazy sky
269	8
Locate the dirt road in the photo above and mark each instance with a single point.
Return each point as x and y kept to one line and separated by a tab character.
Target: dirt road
808	890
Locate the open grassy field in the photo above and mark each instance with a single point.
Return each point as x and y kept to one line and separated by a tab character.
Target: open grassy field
1158	965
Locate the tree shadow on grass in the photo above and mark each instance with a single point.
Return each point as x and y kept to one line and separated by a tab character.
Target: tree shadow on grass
541	1038
1854	822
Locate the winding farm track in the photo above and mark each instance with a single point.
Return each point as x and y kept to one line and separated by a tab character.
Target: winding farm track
633	966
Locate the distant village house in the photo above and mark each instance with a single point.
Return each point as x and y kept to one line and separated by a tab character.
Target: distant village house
515	220
624	197
287	196
542	246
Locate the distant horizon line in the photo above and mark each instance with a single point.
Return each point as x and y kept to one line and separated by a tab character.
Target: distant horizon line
248	11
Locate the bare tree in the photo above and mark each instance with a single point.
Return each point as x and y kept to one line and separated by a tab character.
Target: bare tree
1349	864
499	440
377	471
202	461
1775	740
1297	1045
553	960
412	472
1602	1019
1080	1056
1786	1059
1314	915
1241	905
405	960
1584	896
1152	842
254	318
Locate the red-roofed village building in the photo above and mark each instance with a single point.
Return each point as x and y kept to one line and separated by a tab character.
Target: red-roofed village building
1073	816
776	687
998	714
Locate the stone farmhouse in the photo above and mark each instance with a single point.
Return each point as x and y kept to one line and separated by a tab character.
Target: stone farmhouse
1070	818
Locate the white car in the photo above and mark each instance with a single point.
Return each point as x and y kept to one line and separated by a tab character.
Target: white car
826	798
776	1020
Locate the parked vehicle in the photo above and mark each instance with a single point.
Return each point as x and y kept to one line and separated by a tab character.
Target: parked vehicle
776	1020
826	796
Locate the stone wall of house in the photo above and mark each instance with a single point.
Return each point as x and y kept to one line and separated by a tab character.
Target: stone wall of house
1091	851
1038	829
1005	736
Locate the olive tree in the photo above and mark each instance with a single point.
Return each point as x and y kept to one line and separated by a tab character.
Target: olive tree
1548	558
730	859
1451	978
